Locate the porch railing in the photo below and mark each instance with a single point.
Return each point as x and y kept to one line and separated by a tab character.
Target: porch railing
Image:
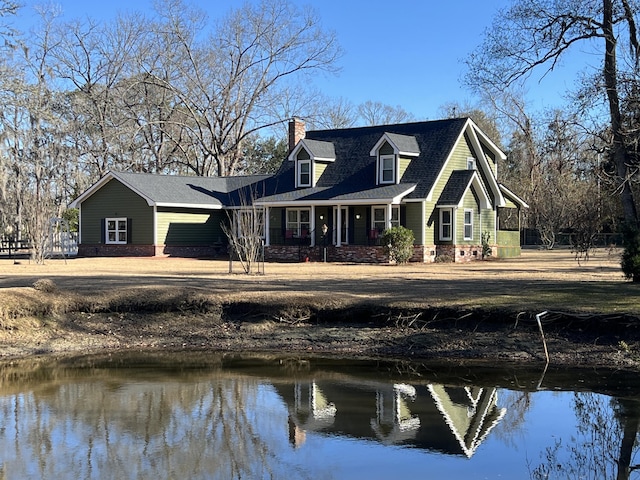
281	236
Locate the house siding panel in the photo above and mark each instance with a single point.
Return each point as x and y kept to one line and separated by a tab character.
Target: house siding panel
470	202
414	221
318	170
386	149
116	200
187	227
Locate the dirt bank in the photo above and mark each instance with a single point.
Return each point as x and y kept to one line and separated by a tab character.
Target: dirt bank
481	312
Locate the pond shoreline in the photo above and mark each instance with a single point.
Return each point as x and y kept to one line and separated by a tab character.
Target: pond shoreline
484	311
366	330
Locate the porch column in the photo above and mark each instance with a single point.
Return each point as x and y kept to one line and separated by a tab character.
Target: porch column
338	223
312	226
267	225
389	213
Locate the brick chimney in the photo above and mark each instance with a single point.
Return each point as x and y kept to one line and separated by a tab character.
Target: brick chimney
296	132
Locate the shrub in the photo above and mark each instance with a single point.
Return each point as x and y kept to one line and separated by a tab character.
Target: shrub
630	261
486	246
398	244
44	285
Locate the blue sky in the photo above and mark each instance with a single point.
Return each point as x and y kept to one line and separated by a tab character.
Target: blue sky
398	52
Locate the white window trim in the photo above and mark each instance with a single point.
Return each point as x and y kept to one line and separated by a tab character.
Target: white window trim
297	232
387	221
394	169
117	220
299	164
470	224
441	227
471	163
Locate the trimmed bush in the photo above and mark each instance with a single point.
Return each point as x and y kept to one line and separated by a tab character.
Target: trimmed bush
398	244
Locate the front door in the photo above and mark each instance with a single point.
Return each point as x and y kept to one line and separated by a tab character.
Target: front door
344	225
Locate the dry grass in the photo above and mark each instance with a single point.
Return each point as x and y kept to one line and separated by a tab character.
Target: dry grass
538	280
103	303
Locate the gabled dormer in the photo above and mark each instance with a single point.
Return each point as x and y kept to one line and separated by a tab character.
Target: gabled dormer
393	153
311	157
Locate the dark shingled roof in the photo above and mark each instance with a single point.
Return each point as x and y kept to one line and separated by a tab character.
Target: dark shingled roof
404	143
185	190
456	186
354	170
319	149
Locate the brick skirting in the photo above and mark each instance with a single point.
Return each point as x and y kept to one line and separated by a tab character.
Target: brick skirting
103	250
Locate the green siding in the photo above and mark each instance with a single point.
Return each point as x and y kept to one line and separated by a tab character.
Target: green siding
189	227
469	202
413	221
318	170
489	224
360	226
404	164
303	155
431	223
116	200
508	238
491	158
275	225
385	149
509	203
458	161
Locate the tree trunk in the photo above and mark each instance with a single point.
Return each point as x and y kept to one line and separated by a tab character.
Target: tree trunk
618	149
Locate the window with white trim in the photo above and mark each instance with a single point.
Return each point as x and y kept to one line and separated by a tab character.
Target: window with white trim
299	222
379	218
115	230
446	223
471	163
304	173
468	224
387	169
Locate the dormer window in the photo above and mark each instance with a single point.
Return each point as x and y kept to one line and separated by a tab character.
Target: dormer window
387	169
471	163
304	173
394	153
311	158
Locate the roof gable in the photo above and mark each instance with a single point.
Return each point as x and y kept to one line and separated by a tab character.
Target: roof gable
180	191
457	186
355	169
405	145
317	150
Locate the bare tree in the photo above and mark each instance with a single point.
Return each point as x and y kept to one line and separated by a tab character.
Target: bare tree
229	78
378	113
33	147
533	34
245	232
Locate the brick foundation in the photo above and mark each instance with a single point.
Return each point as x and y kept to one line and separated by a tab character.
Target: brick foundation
344	253
460	253
102	250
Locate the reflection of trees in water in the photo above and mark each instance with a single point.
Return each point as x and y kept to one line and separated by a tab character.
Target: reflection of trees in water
516	405
602	448
139	430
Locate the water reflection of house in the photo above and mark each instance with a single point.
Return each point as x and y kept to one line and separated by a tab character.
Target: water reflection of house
449	419
470	413
310	411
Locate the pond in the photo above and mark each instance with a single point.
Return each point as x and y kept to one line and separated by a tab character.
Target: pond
206	416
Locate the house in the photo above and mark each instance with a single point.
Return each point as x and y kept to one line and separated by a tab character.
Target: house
331	199
340	189
137	214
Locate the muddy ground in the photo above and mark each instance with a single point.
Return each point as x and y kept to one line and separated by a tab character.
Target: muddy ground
479	312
